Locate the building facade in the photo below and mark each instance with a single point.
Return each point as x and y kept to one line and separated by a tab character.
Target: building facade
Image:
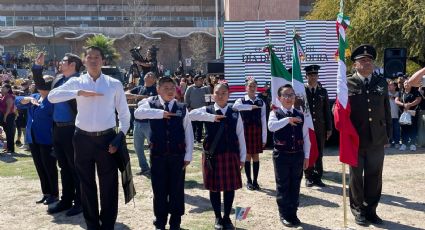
63	25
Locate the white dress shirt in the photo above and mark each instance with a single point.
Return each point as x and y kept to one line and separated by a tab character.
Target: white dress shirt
275	124
201	114
247	107
95	113
144	111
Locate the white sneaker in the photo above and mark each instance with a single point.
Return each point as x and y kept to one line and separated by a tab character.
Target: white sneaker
412	147
402	147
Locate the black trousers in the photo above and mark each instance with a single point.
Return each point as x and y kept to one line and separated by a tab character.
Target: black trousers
10	129
167	177
197	127
288	168
91	154
64	151
315	172
45	164
366	181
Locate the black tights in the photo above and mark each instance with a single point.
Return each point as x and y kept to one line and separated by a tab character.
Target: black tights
215	198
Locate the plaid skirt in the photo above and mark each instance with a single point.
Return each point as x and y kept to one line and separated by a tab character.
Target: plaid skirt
253	138
225	175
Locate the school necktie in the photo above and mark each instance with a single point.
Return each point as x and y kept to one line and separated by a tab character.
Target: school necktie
166	108
289	114
218	112
312	91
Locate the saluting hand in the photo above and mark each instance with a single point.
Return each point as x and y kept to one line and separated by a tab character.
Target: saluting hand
294	121
88	93
256	107
168	115
34	101
219	117
40	59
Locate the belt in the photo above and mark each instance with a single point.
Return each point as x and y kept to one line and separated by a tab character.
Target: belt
141	120
287	152
94	134
63	124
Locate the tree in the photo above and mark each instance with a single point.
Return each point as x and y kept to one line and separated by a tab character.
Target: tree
29	53
107	46
198	46
383	23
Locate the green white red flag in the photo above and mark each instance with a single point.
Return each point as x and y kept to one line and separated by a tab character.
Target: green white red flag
299	88
280	76
348	137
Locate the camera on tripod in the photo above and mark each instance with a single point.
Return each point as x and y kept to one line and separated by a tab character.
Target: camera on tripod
135	54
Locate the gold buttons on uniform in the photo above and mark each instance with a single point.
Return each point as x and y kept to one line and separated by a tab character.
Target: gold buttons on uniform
370	119
368	100
370	110
367	91
314	119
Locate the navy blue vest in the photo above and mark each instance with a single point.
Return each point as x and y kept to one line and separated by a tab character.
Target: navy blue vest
229	139
289	138
252	116
168	136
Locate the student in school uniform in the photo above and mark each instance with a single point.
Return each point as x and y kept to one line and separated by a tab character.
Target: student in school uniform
223	157
253	112
290	154
171	146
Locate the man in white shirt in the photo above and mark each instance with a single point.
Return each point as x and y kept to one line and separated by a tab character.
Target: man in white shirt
98	96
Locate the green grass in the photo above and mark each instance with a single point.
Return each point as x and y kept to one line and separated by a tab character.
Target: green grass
20	164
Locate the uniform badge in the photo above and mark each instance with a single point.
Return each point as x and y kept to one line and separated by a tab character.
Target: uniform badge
380	90
235	116
179	113
260	103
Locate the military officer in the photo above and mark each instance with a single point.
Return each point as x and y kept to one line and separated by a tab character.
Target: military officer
318	102
371	117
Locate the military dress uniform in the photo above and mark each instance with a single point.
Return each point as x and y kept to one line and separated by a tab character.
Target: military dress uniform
371	117
318	101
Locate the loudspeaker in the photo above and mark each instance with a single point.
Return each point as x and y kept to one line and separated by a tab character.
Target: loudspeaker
394	62
216	67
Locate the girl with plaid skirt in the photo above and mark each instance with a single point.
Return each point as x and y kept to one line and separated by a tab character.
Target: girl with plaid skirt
253	113
222	172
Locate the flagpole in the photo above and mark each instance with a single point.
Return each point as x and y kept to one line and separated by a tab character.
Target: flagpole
217	51
344	195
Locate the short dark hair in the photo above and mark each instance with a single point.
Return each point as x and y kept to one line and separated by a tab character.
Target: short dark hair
283	87
77	60
219	85
86	50
197	76
164	80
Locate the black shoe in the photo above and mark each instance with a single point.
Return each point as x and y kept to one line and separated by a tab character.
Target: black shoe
256	186
50	200
320	183
218	225
75	210
227	224
287	222
309	183
18	142
42	199
296	221
361	220
59	207
374	219
249	186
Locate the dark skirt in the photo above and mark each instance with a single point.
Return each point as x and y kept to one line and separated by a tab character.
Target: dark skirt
253	138
225	175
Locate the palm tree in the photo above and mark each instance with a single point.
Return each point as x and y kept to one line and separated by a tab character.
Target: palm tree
107	46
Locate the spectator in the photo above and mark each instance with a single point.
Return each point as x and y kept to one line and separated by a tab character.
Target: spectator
421	119
409	99
7	110
393	94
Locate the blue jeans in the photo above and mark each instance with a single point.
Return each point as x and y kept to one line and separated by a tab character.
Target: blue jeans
142	131
395	137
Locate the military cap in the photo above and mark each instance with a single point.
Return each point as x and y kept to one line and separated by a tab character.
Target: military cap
364	50
312	69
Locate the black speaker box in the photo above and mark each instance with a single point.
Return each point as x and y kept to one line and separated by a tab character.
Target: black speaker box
394	62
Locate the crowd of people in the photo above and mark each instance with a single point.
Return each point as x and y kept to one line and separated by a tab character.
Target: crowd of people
78	121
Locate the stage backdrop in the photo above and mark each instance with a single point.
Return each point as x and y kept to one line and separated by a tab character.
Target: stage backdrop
244	56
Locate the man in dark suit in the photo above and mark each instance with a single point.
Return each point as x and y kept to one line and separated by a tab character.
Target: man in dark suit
318	102
371	117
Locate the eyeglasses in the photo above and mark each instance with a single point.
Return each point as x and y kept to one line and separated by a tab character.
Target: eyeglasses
64	60
288	96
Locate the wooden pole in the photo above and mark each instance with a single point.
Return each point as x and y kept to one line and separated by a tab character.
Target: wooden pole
344	195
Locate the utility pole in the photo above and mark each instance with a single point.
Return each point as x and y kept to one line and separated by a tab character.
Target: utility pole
217	51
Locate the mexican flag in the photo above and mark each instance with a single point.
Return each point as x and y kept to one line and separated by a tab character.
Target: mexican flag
348	137
298	85
280	76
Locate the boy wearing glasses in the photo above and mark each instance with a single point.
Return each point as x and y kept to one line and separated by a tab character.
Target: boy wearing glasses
290	154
